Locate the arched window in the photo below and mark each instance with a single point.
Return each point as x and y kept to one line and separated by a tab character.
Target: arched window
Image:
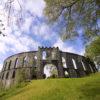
44	55
35	57
2	75
9	65
26	60
13	75
74	63
66	74
91	68
5	66
7	75
83	65
64	62
16	63
53	54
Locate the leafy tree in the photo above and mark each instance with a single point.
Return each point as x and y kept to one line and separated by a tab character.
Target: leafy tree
74	14
93	50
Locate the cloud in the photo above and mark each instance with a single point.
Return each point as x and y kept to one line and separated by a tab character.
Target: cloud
42	30
29	30
34	6
17	44
62	46
12	44
82	52
18	39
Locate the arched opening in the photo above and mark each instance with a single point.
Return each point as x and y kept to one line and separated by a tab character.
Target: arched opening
35	57
25	61
5	66
16	63
9	65
33	76
3	76
83	65
64	62
50	71
91	68
66	74
44	55
53	55
13	75
74	63
7	75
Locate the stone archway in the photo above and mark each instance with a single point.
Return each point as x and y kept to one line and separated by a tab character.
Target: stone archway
50	71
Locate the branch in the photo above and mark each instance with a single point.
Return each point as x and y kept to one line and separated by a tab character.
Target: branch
81	7
9	13
73	3
67	7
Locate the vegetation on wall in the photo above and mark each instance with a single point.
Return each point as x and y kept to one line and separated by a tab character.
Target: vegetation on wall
21	76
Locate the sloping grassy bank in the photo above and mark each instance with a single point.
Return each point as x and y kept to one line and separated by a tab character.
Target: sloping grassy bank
87	88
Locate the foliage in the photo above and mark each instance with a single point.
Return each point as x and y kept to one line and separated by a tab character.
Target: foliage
21	76
74	14
87	88
1	86
93	50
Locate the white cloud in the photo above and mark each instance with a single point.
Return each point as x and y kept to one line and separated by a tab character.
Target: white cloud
82	52
62	46
15	44
17	39
26	25
35	6
66	48
44	31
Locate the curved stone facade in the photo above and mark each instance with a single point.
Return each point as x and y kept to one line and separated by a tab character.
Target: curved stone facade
33	63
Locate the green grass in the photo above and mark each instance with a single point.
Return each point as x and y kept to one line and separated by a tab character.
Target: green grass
87	88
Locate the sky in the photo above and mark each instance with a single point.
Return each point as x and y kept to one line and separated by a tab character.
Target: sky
27	28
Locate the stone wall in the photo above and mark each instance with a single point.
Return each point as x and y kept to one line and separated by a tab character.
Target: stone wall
33	64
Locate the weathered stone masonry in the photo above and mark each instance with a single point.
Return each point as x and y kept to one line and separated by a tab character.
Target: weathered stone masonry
75	65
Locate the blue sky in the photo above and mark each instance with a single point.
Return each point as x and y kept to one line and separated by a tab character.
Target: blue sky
29	29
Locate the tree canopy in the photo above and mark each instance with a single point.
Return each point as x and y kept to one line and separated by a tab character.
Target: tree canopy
75	13
93	50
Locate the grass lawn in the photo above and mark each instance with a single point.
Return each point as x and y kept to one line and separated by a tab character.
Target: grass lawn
87	88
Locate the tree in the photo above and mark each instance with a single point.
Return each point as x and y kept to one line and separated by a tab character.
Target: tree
9	11
93	50
74	14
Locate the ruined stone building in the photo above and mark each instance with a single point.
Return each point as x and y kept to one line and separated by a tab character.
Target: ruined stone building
33	63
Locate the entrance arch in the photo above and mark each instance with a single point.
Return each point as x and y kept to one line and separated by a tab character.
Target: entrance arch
50	71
